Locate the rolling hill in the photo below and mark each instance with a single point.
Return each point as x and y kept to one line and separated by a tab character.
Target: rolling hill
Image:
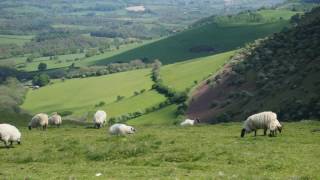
65	95
279	73
210	36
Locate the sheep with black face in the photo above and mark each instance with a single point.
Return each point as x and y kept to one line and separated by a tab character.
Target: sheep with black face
264	120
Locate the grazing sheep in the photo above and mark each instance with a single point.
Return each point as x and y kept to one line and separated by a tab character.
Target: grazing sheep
189	122
55	119
9	133
264	120
121	129
39	120
99	118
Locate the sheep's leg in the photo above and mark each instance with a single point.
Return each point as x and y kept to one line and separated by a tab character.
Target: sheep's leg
265	132
44	127
6	144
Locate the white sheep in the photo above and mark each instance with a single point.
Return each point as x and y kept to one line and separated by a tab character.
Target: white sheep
189	122
55	119
264	120
121	129
9	133
39	120
99	118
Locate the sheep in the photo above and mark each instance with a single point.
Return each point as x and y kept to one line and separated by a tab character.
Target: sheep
9	133
40	119
55	119
264	120
99	118
190	122
121	129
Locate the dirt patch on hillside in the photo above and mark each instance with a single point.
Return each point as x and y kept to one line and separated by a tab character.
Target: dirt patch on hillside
200	105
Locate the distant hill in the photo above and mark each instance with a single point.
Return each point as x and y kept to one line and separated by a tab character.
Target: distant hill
210	36
280	73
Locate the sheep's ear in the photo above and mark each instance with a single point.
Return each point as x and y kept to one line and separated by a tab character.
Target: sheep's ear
243	131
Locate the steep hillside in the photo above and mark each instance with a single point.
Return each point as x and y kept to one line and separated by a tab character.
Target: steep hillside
280	73
210	36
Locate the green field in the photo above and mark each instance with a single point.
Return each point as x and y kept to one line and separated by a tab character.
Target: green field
164	152
13	39
81	95
201	41
180	76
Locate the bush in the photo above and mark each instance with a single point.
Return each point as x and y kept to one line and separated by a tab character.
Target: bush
42	66
100	104
214	104
119	98
65	113
41	80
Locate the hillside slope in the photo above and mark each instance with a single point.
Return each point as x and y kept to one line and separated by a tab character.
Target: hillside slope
210	36
280	73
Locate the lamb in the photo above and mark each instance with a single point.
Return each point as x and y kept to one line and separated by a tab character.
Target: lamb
189	122
121	129
264	120
9	133
39	120
55	119
99	118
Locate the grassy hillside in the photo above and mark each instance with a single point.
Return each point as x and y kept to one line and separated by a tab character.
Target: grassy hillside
180	76
65	96
280	73
164	152
81	95
210	38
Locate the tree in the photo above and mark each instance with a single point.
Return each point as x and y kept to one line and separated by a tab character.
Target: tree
29	59
41	80
42	66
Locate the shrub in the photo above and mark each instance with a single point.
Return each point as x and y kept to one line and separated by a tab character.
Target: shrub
41	80
42	66
100	104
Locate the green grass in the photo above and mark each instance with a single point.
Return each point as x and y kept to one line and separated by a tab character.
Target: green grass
276	14
164	152
14	39
180	76
220	37
81	95
164	116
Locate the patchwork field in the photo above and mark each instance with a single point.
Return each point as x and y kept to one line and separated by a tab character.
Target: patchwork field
62	61
13	39
200	152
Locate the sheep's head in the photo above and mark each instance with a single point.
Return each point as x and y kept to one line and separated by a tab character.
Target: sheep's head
197	120
279	128
132	130
243	132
